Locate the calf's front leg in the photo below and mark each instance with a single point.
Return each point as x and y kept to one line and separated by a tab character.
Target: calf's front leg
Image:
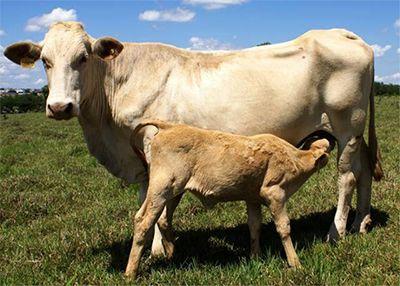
145	219
276	198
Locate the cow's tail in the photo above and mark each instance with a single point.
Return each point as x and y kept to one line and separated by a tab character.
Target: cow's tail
373	148
306	143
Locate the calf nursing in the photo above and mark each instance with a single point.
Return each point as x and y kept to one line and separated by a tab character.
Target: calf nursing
219	167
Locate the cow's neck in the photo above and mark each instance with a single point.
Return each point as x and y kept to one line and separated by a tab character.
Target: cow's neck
131	81
106	137
95	105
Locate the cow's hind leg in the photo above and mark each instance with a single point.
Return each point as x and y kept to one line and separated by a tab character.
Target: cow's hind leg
145	219
363	218
349	170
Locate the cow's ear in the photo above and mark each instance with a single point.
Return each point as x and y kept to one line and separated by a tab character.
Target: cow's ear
107	48
23	53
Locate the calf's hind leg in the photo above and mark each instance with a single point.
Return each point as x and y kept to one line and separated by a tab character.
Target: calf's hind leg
275	198
165	225
254	222
157	248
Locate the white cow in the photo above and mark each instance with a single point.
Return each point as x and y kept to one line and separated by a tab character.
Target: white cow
319	81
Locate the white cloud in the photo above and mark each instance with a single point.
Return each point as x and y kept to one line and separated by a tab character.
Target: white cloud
174	15
214	4
398	50
39	23
379	50
39	81
3	69
393	78
2	33
22	76
396	25
208	44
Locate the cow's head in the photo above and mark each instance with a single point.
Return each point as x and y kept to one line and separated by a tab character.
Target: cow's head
66	52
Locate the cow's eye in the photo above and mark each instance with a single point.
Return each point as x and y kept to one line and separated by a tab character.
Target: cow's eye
82	59
46	64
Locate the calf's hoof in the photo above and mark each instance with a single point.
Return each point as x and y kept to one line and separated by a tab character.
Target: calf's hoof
130	275
255	254
295	264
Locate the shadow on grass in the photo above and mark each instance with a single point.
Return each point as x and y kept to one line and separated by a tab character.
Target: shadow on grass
226	246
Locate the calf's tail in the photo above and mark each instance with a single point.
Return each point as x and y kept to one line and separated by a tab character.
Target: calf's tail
306	143
138	148
159	124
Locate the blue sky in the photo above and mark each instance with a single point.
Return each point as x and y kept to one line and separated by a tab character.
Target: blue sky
202	24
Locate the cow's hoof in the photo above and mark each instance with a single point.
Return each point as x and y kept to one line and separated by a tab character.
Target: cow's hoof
334	235
361	226
157	250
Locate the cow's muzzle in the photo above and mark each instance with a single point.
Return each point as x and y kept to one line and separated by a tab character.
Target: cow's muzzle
60	111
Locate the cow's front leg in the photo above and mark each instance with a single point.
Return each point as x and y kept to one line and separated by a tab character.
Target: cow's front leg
363	218
157	248
349	169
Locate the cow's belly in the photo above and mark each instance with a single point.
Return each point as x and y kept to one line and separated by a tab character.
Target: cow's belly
288	120
280	98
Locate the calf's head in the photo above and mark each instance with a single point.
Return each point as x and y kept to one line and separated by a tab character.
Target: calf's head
67	52
320	150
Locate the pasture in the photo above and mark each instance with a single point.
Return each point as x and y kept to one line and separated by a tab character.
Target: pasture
66	220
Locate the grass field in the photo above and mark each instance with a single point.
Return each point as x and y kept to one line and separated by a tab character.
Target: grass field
65	220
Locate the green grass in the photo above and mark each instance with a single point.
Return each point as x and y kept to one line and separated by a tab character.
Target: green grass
65	220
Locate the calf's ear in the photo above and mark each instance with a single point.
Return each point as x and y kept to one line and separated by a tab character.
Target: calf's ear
24	54
107	48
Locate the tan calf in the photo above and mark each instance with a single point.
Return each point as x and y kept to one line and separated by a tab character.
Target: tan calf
220	167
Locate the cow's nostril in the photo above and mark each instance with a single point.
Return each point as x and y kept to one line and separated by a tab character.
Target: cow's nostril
49	107
68	109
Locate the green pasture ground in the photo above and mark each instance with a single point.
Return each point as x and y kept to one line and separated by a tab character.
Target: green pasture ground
66	220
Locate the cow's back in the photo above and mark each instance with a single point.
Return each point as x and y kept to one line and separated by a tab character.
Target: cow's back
287	89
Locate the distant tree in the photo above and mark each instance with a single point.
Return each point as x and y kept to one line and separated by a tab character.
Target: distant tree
386	88
45	91
264	44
